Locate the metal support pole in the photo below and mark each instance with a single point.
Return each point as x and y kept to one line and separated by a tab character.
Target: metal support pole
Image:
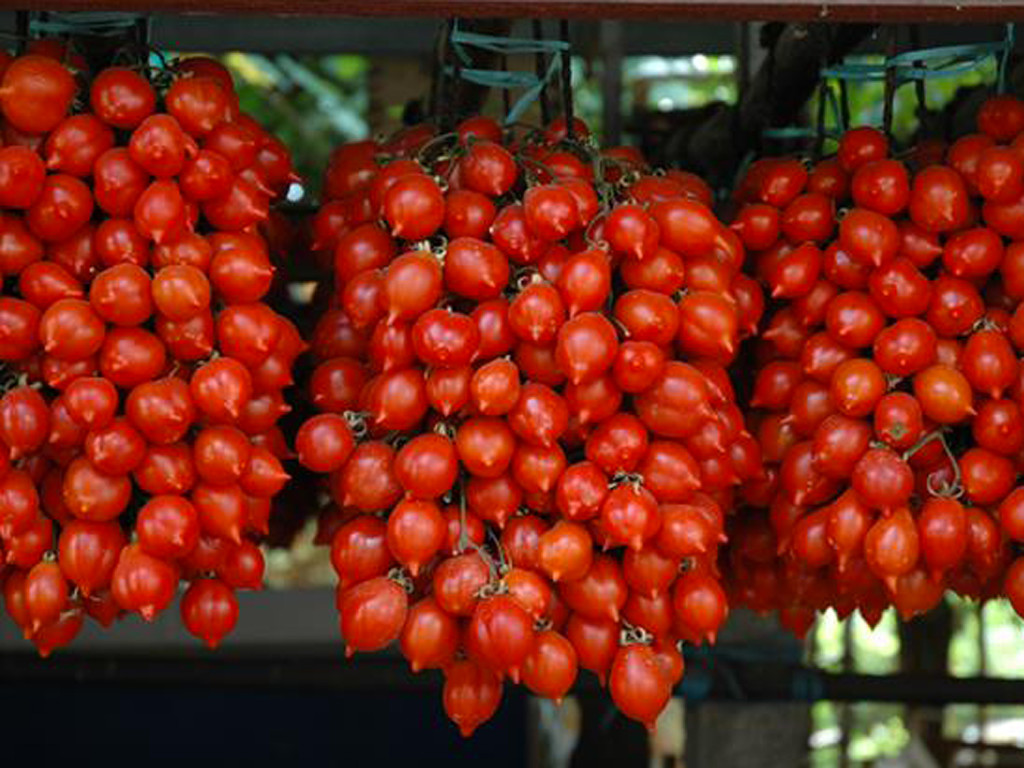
315	669
567	110
611	81
541	68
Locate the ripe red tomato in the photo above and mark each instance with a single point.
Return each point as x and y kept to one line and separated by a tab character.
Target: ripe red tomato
36	93
209	610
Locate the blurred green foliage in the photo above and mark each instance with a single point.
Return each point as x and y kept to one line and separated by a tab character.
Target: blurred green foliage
312	103
878	730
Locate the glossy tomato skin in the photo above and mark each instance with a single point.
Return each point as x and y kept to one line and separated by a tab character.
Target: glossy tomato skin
122	98
36	93
638	684
209	610
372	614
472	693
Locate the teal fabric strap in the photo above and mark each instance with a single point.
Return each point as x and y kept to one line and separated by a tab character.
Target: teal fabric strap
507	45
930	63
809	132
912	66
531	84
99	23
807	685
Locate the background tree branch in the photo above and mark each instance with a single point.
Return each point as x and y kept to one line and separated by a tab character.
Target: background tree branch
716	145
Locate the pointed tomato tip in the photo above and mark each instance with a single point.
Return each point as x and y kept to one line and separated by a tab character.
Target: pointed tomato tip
148	612
212	643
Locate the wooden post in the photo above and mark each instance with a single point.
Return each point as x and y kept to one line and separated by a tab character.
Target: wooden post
982	640
746	734
845	707
924	649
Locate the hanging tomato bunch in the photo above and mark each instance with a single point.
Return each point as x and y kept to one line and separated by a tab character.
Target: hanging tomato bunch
143	373
528	431
888	386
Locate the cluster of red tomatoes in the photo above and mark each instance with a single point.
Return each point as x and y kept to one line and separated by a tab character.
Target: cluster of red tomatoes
142	373
525	418
888	387
529	430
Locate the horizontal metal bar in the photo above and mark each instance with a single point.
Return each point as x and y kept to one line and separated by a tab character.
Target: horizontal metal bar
794	10
416	36
325	669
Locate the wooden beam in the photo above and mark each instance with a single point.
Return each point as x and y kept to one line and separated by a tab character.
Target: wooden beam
958	11
324	668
